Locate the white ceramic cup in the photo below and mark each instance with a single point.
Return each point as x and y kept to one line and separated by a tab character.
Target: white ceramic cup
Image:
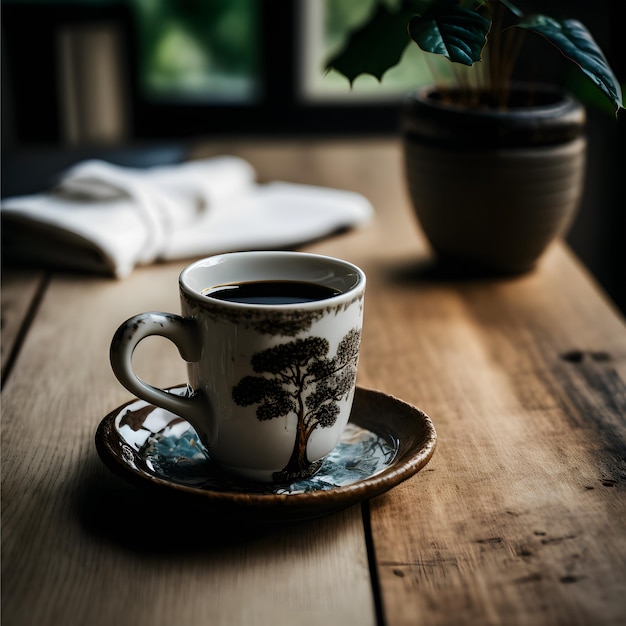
270	385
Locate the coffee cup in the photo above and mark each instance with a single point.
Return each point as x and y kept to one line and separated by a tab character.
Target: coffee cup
271	341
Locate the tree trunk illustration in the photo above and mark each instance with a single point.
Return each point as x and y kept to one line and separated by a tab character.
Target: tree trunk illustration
298	465
294	368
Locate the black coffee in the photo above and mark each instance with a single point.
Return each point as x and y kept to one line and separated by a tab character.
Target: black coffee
272	292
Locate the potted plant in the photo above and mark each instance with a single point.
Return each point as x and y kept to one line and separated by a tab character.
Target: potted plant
494	167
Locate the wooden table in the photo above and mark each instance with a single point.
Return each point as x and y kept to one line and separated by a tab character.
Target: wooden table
519	518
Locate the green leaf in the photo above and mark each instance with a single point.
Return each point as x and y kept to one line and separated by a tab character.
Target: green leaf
452	31
575	42
374	47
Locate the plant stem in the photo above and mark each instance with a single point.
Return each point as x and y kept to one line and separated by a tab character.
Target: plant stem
515	40
497	54
438	79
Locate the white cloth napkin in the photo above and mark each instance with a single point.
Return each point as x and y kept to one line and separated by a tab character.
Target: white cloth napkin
106	218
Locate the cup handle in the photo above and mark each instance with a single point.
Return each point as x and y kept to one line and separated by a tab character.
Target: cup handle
183	333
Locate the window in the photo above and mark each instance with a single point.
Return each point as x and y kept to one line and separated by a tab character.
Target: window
325	24
155	69
204	52
187	68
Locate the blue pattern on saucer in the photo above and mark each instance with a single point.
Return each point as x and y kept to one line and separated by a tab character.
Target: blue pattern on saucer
180	457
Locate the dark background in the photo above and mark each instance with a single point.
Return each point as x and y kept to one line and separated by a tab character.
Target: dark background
34	147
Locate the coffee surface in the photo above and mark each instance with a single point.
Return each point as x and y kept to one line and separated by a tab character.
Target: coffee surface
271	292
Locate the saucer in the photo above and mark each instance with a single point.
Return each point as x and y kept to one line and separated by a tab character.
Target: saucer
386	441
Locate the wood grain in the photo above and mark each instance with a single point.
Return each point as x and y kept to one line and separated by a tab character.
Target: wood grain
21	290
518	519
81	548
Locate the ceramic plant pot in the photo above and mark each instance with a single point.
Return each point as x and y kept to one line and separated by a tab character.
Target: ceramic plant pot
492	188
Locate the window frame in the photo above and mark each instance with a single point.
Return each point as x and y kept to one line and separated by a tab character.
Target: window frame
280	108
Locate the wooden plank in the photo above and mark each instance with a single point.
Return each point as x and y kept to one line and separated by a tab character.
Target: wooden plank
20	291
519	517
79	547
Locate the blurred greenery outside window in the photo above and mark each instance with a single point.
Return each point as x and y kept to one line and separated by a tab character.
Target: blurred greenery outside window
210	51
199	50
325	26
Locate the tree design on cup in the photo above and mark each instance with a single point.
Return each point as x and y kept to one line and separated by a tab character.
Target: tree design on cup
305	381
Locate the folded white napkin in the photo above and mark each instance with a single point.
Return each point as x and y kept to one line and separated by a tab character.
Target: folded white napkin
106	218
